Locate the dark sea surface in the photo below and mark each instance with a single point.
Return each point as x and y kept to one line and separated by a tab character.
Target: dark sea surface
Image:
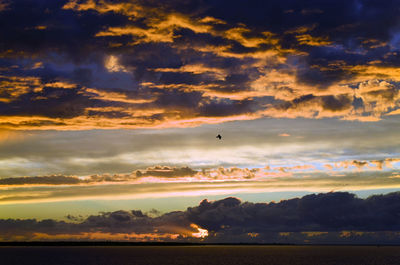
209	255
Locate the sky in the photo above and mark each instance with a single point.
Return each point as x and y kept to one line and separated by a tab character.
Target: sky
109	111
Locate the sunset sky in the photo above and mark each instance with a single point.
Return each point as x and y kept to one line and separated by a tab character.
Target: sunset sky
109	111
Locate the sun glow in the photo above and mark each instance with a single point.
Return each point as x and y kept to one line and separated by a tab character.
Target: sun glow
202	233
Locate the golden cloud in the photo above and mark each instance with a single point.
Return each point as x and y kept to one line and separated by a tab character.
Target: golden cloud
11	87
307	39
263	60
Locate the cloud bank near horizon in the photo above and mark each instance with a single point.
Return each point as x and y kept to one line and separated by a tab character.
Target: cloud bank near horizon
77	65
336	217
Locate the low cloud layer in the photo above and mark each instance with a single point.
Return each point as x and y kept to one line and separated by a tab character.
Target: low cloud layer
144	64
336	217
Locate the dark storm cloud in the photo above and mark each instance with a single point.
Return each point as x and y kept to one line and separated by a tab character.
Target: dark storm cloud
194	59
325	217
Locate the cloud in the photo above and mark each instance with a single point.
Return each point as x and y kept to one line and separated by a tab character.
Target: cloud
3	5
320	218
152	172
167	181
307	39
13	87
372	164
318	212
166	174
211	64
45	180
112	64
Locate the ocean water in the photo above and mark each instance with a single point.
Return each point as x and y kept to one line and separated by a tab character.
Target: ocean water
209	255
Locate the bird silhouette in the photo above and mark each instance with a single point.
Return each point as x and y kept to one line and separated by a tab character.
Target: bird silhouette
219	136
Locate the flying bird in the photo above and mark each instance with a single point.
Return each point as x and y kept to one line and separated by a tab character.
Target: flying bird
219	136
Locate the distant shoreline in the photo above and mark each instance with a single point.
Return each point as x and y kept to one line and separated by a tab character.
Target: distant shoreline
113	243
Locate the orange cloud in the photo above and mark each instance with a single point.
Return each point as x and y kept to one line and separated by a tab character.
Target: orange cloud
263	60
217	73
99	236
376	72
115	96
11	87
307	39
